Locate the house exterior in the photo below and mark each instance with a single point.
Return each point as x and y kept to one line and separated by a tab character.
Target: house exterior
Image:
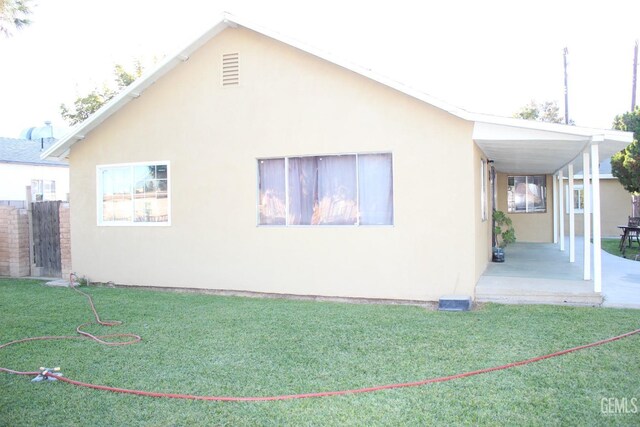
248	162
616	202
21	166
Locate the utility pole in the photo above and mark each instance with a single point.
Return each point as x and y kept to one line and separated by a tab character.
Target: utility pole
566	89
635	76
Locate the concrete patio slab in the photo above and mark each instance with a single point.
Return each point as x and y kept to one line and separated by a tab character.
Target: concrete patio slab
541	273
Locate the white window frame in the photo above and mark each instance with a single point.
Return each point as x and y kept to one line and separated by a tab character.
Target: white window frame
484	207
286	184
576	187
99	196
527	211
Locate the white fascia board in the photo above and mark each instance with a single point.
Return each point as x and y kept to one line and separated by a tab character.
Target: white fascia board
550	128
484	131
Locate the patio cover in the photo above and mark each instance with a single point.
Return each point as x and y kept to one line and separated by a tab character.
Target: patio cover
529	148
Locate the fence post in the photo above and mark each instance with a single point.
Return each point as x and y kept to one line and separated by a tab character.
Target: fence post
32	261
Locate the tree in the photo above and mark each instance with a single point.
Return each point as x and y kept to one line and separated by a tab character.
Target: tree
547	111
625	165
85	106
14	15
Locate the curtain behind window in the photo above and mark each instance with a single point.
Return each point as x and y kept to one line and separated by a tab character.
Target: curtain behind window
272	192
303	189
376	189
336	191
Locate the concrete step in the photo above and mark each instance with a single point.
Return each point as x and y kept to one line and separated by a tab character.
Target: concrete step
524	290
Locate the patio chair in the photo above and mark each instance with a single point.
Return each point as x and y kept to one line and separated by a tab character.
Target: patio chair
634	221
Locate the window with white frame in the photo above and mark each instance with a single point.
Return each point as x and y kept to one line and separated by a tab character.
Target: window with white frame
527	194
578	198
351	189
483	190
42	190
133	194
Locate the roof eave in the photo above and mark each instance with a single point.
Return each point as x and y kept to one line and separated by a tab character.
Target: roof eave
133	91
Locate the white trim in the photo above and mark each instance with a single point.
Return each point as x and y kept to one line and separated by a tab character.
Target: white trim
484	206
99	207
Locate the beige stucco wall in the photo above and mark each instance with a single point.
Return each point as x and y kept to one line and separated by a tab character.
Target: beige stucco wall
288	103
529	227
615	208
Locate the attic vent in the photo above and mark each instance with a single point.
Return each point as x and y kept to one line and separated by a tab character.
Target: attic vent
230	69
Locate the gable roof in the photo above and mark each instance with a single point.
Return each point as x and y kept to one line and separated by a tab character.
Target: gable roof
135	89
489	132
26	152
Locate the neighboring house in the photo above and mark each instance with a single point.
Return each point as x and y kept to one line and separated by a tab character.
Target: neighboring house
616	202
250	162
21	166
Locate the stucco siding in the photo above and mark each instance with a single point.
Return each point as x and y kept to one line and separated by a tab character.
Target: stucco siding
288	103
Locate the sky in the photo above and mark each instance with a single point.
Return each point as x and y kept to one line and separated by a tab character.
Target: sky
487	56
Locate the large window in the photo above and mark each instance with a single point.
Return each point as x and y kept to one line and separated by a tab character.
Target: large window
527	194
133	194
352	189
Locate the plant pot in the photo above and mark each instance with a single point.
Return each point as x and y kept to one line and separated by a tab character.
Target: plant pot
498	255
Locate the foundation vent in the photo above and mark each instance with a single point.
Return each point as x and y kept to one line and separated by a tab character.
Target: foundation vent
230	69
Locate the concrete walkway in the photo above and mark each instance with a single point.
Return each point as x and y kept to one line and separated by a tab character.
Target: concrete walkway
541	273
620	281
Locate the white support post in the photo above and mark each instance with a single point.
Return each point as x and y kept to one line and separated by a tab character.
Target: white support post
561	208
572	218
597	250
586	208
555	209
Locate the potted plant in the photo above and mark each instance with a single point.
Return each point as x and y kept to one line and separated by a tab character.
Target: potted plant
503	234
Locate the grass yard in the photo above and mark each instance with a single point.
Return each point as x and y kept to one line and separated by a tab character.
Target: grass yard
213	345
613	247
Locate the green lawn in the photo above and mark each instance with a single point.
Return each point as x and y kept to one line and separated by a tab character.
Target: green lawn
613	247
212	345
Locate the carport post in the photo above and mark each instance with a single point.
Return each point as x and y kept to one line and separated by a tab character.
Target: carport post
555	209
561	209
597	249
586	209
572	218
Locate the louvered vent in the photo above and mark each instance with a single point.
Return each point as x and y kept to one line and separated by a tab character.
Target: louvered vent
230	69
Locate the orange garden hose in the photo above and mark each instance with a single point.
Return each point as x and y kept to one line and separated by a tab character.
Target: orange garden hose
136	338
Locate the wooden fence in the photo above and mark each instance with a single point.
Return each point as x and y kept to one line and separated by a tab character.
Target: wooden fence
46	238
